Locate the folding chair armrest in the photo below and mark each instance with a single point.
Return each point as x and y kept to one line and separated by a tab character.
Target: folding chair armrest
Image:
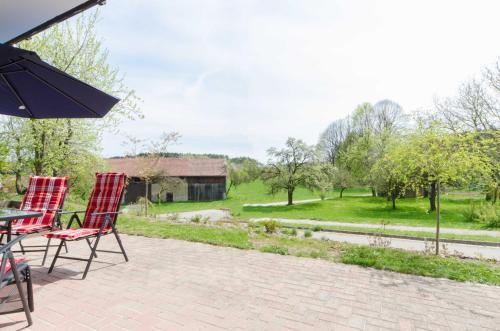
62	212
107	213
8	246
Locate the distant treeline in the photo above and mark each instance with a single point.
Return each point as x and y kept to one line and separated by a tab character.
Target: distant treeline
233	160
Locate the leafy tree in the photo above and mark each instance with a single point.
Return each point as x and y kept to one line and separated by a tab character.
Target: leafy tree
322	178
371	127
434	157
391	171
245	172
290	167
342	179
69	146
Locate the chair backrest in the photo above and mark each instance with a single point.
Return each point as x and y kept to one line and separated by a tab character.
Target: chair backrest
45	194
105	197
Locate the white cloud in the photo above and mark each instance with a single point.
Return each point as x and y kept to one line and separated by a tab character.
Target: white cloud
237	77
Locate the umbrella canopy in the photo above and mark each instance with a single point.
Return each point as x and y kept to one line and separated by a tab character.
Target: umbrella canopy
32	88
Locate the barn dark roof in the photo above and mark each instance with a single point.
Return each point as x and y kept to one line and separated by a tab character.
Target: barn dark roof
172	167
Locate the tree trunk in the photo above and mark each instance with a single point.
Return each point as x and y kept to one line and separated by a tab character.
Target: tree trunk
495	195
393	198
374	192
290	197
229	188
432	197
39	156
341	191
19	188
438	218
146	194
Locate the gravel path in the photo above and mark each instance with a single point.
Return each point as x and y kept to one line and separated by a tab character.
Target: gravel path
213	215
388	227
472	251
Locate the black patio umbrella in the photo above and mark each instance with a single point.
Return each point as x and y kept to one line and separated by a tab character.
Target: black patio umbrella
30	87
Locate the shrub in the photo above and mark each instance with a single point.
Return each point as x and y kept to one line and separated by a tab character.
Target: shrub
196	219
274	249
270	226
314	254
308	234
485	213
317	228
293	232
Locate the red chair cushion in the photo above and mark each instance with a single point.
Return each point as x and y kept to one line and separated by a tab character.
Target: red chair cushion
30	228
45	194
72	234
105	198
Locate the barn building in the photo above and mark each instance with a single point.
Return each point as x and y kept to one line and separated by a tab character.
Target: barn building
202	179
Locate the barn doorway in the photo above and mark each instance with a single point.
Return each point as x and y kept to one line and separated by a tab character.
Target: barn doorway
170	197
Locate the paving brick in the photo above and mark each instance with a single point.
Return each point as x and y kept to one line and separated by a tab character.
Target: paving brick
177	285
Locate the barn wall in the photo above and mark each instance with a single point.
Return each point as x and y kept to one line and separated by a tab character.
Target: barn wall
206	188
180	193
193	189
134	190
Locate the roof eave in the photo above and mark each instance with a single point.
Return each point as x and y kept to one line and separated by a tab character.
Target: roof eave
62	17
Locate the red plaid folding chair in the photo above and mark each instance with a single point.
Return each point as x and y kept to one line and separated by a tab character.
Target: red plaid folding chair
100	219
43	194
16	289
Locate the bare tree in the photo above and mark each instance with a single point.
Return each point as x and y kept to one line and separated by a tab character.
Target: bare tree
492	76
387	116
332	139
149	156
473	109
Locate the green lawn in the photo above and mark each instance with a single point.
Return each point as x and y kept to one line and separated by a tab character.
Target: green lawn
351	208
237	238
255	192
487	272
380	258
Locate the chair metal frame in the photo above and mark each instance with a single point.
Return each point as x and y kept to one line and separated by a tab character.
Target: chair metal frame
56	224
7	254
110	218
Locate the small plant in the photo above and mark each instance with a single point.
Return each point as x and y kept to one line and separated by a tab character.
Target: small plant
317	228
173	217
314	254
377	240
196	218
274	249
270	226
289	232
308	234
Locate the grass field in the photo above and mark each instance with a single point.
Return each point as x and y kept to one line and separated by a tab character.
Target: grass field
351	208
237	236
486	272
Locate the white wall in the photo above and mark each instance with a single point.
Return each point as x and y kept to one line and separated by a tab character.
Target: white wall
180	192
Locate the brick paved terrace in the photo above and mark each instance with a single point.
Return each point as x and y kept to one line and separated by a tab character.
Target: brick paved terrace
177	285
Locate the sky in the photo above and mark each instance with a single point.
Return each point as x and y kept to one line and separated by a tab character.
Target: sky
237	77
